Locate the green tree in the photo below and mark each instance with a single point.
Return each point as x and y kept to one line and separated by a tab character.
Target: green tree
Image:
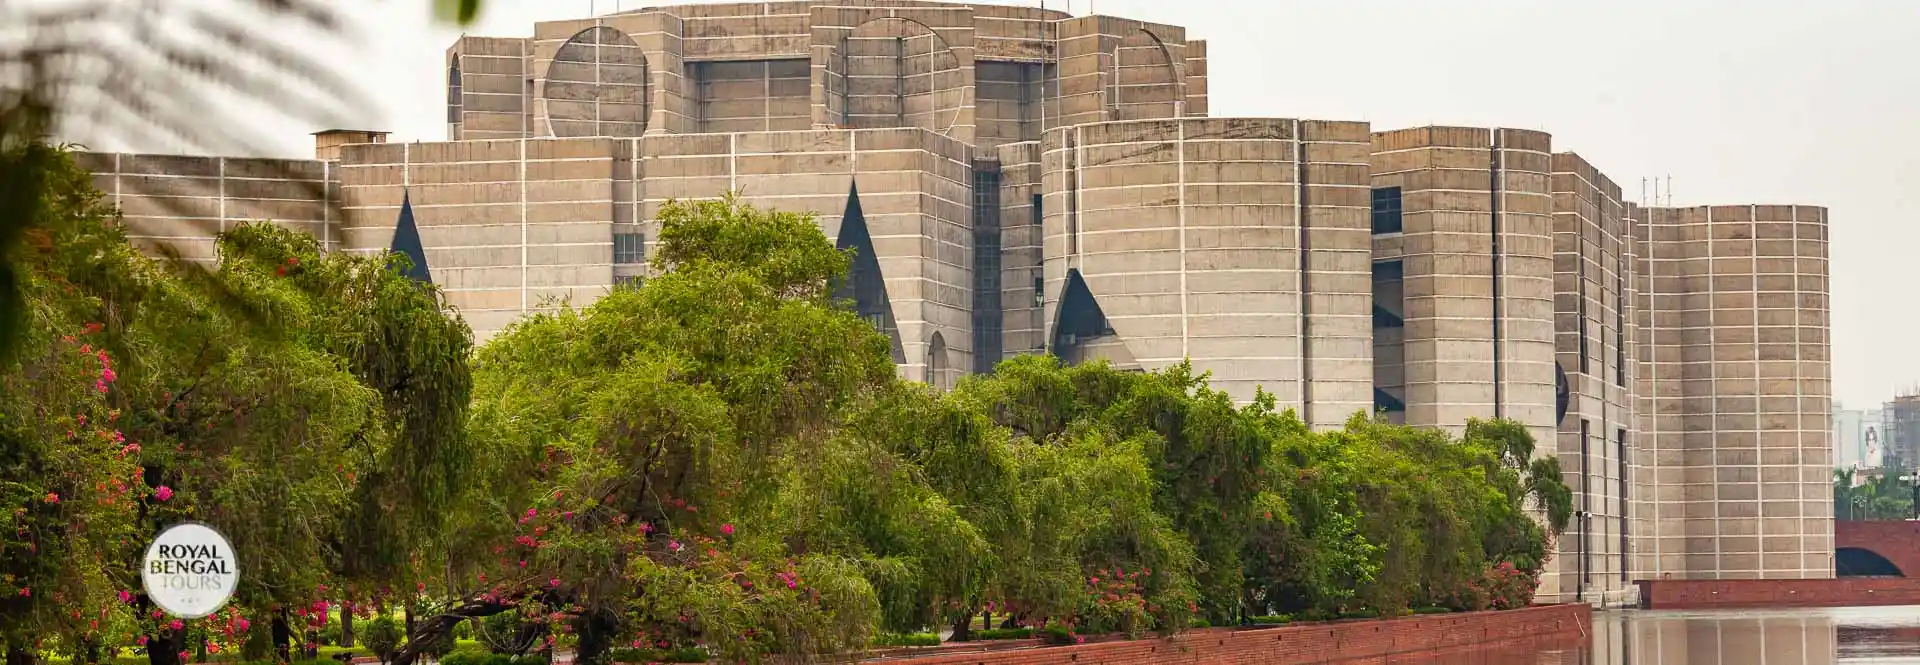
262	398
667	464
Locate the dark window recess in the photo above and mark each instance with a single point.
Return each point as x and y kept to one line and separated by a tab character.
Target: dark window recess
1626	557
1385	319
1620	325
629	248
1039	292
1385	401
1384	316
629	281
1586	500
1386	271
987	315
1386	210
1580	309
454	98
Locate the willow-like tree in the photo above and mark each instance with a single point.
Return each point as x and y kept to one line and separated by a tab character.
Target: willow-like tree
1204	453
667	466
259	398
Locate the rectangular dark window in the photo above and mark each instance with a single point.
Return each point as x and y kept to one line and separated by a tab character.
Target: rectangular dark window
1039	292
1586	499
1386	210
1580	308
1626	557
1620	324
1388	271
454	98
629	248
988	318
1387	308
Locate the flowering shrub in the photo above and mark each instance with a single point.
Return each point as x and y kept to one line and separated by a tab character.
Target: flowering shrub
1115	603
1501	586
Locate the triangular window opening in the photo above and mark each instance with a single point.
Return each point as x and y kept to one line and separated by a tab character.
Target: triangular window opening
865	287
406	242
1080	316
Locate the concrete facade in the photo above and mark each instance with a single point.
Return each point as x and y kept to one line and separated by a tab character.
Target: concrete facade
1016	180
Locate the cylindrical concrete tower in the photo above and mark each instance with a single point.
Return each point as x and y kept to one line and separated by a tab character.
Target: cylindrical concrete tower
1749	302
1241	244
1464	225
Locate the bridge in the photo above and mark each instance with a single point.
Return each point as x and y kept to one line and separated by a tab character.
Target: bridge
1889	548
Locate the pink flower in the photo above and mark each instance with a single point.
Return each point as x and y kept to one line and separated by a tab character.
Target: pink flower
155	613
553	582
726	529
183	656
674	545
176	625
26	592
242	624
125	597
163	493
141	640
646	527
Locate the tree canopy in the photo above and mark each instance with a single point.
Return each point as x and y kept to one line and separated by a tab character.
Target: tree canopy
722	459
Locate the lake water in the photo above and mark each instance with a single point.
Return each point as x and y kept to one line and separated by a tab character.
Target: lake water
1879	635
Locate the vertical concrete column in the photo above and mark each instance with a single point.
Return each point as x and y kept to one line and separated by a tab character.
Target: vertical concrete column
1336	266
1813	335
1591	315
1478	334
1020	256
1524	285
1196	78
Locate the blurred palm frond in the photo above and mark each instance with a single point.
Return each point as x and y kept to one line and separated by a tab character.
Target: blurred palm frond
176	76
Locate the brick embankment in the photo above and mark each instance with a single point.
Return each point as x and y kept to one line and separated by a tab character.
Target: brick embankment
1765	594
1554	626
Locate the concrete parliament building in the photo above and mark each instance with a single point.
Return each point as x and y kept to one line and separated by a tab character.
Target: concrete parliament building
1018	180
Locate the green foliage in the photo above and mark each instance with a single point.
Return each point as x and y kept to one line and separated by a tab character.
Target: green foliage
383	638
1880	496
718	463
907	640
1004	634
640	656
268	398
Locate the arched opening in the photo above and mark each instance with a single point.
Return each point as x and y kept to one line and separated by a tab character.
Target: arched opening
937	366
899	73
454	99
1857	562
1081	332
598	85
1144	84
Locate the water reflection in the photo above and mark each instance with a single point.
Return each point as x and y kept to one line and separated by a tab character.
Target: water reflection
1880	635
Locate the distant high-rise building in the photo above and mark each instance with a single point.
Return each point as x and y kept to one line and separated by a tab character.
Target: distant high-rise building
1900	430
1857	438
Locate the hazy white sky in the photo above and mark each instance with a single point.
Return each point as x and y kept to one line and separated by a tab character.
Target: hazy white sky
1755	101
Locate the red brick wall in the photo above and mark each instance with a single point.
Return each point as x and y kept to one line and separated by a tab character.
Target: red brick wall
1551	625
1732	594
1899	542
